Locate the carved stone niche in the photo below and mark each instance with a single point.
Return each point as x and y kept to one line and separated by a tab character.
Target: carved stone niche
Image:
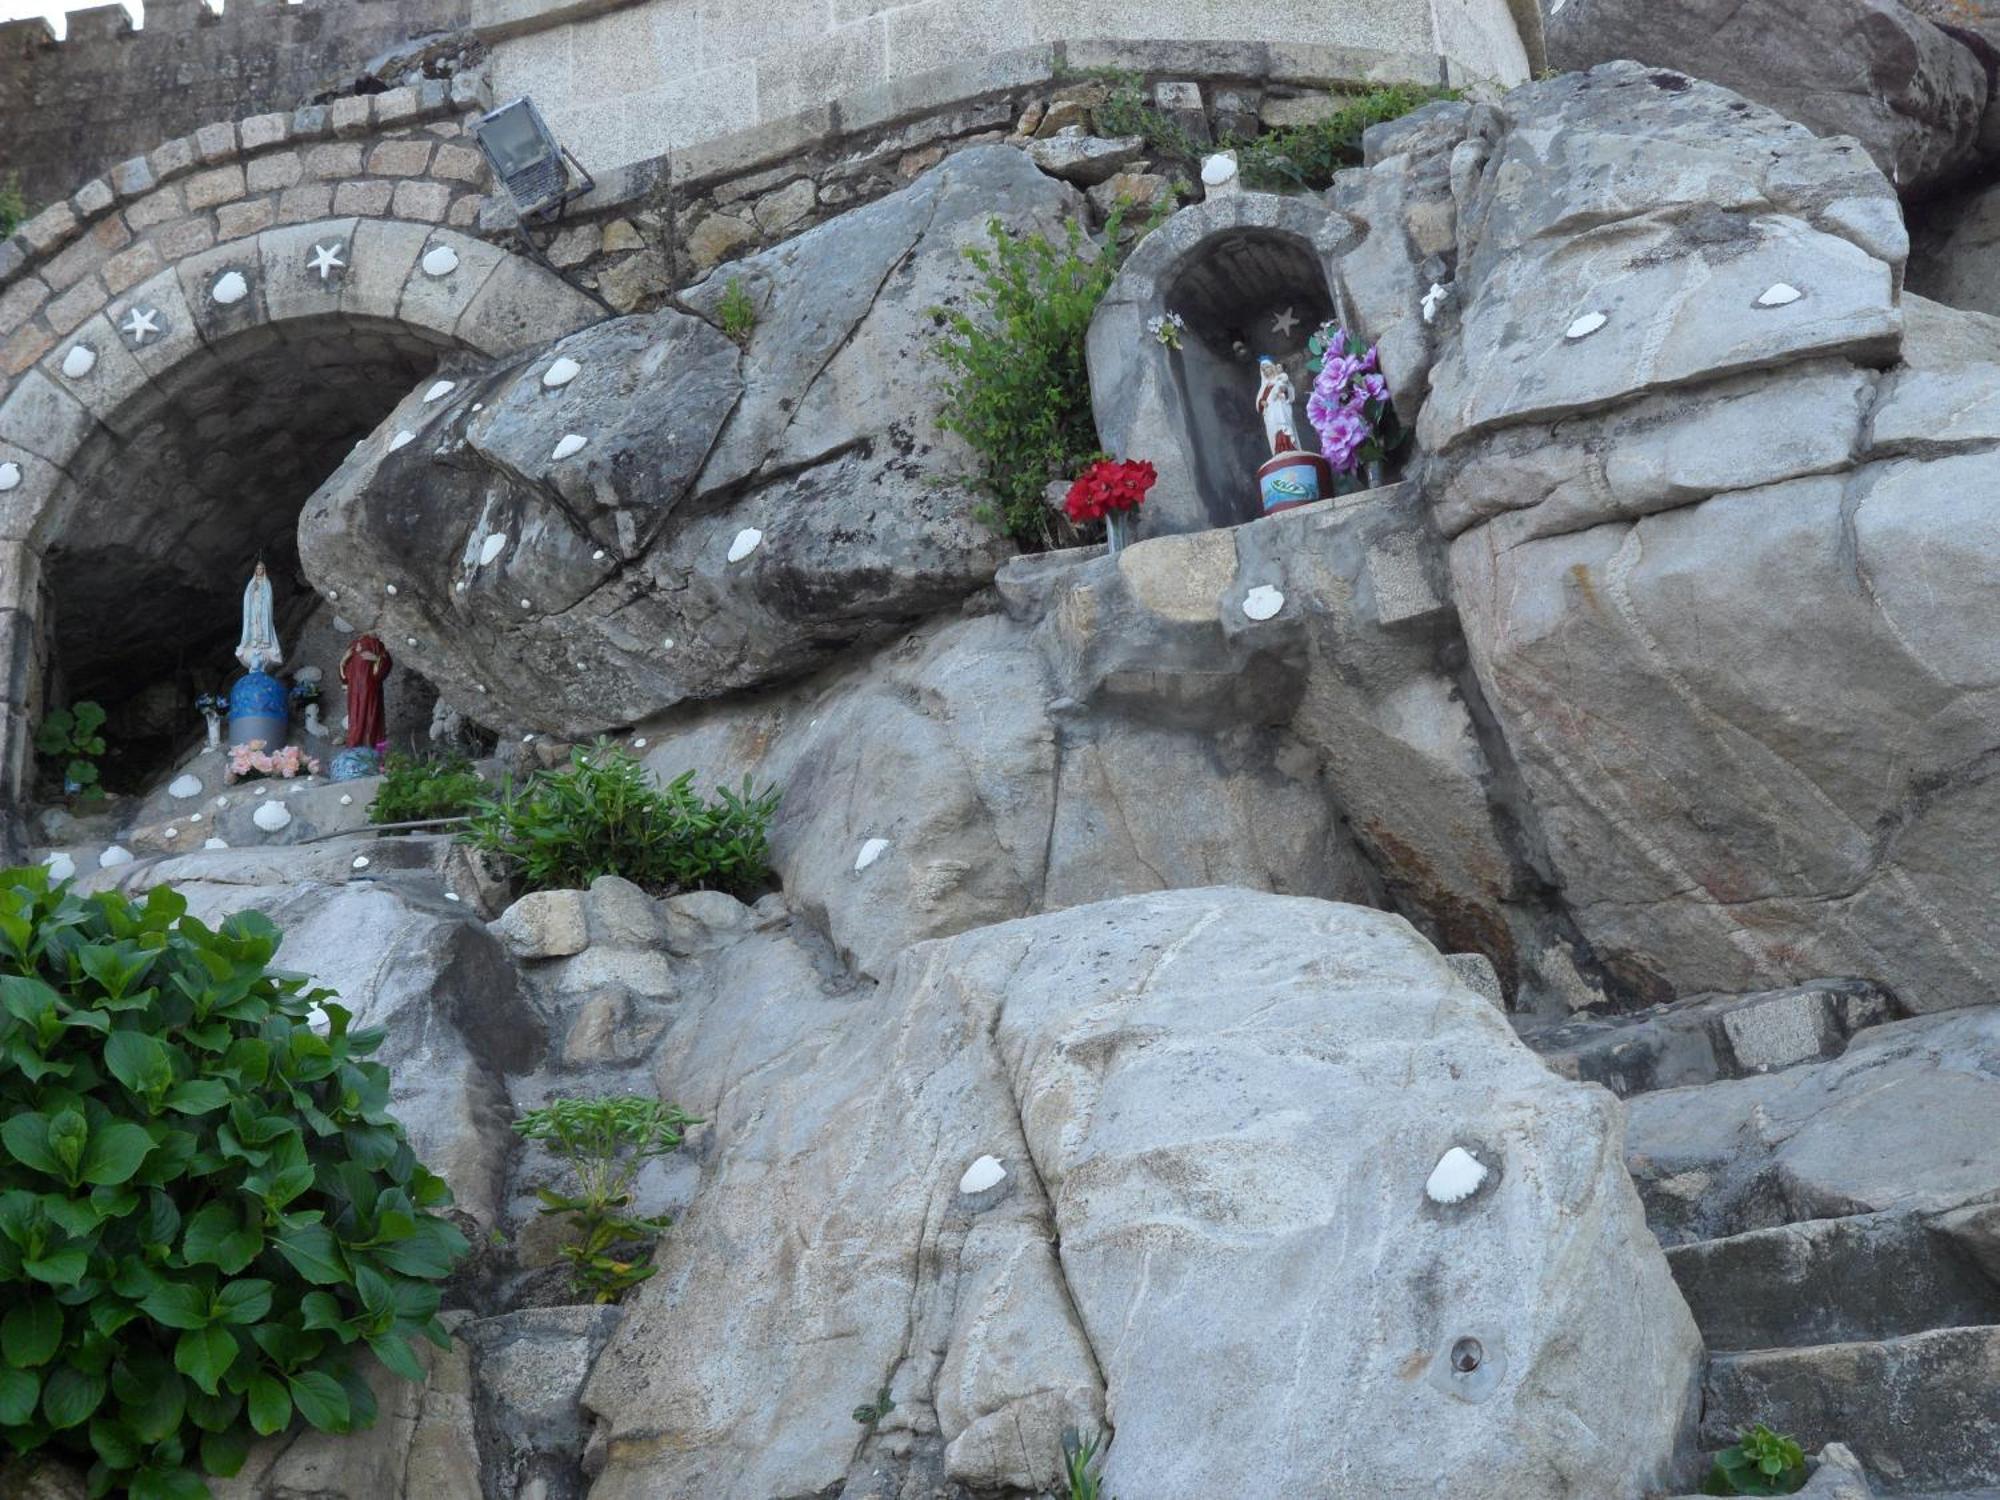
1249	274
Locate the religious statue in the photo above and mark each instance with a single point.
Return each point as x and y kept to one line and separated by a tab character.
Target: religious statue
1274	402
1290	476
258	647
362	669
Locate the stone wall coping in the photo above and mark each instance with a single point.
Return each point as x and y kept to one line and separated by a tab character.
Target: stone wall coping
885	106
227	141
496	20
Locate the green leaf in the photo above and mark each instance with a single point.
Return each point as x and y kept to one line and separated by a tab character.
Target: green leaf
314	1254
115	1153
223	1453
395	1352
20	1393
198	1096
30	1332
139	1062
153	1407
26	1137
320	1400
177	1304
204	1355
27	999
270	1405
217	1237
115	1443
63	1268
157	1483
69	1396
243	1301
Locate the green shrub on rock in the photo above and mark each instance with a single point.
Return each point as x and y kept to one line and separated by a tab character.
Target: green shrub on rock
207	1213
1759	1462
602	815
416	791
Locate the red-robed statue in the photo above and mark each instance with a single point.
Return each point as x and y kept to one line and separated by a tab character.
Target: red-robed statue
362	669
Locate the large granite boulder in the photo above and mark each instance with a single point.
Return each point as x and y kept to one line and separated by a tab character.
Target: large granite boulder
1717	551
1911	92
644	513
1223	1233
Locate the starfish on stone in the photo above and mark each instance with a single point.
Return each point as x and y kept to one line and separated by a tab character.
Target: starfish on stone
326	259
140	324
1284	323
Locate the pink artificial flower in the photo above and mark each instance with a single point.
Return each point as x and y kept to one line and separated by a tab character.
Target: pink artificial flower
1341	435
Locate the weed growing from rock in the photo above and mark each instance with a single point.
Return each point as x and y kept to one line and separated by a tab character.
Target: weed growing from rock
737	312
1761	1462
605	1141
415	791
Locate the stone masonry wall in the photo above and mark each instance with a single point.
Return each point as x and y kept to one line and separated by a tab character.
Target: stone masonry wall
69	109
622	83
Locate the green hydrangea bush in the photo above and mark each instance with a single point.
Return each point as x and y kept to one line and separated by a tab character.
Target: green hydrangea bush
208	1218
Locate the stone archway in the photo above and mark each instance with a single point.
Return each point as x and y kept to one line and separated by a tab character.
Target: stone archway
155	426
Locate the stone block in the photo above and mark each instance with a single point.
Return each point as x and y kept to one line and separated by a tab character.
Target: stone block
154	208
20	301
422	200
458	163
397	106
234	220
334	161
521	306
23	348
715	237
74	305
217	185
299	281
174	338
171	159
405	158
272	171
311	122
309	200
53	226
184	237
371	198
42	418
1780	1029
1299	109
351	116
133	177
433	97
216	143
86	254
130	266
438	302
1181	102
113	379
261	132
92	199
1404	589
779	211
1476	972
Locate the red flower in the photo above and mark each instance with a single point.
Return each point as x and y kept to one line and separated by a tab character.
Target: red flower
1107	486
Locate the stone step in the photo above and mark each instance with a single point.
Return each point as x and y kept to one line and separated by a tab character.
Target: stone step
1921	1411
1831	1281
1706	1038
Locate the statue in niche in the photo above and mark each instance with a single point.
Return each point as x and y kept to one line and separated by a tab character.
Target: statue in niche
362	668
258	647
1274	403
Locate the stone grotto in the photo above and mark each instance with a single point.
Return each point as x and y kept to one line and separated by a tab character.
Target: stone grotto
1417	920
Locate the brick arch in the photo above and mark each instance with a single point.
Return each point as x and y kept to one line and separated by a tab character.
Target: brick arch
314	226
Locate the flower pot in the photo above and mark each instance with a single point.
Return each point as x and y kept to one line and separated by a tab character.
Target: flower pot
258	710
1286	480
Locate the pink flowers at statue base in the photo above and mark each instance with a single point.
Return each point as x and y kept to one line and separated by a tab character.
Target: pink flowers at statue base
247	761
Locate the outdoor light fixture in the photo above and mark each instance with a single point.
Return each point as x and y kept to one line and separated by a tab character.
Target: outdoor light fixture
527	159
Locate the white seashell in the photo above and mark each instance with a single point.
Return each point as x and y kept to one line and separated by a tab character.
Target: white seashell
871	851
1262	602
1585	326
639	744
272	816
60	866
389	588
1218	169
215	844
402	440
409	640
981	1175
571	443
439	260
196	817
183	787
561	372
360	861
1779	295
346	799
1456	1176
80	361
230	287
451	895
113	857
527	604
491	548
598	555
171	833
439	391
747	541
10	476
333	594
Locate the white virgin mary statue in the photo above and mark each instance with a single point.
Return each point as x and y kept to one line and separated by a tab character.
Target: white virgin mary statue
258	649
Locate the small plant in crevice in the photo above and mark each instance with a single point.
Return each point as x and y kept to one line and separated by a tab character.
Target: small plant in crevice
1080	1461
602	814
1021	397
1307	156
737	311
13	207
416	791
70	736
605	1141
870	1413
1760	1462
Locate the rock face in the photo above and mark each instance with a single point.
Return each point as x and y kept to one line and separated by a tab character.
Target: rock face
1217	1113
1714	550
1911	92
680	516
